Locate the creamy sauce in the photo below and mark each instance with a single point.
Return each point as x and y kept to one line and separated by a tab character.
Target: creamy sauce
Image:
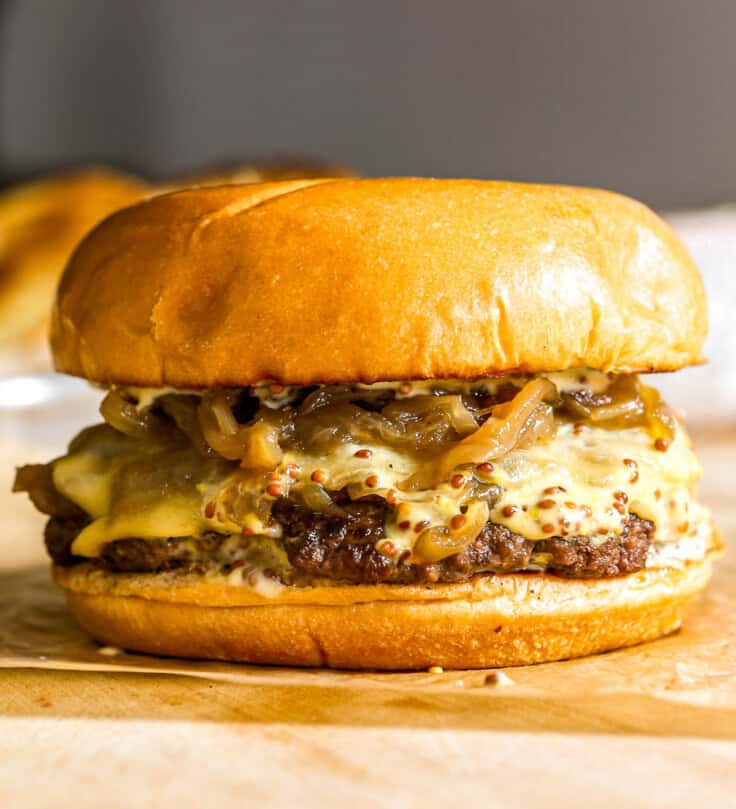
273	395
581	482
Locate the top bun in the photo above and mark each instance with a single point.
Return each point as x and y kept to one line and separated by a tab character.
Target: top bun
41	223
364	280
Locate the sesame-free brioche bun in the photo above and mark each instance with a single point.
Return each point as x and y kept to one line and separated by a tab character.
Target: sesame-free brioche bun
491	620
41	223
334	280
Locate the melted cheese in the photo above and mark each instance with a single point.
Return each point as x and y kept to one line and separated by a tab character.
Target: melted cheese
135	488
582	482
603	475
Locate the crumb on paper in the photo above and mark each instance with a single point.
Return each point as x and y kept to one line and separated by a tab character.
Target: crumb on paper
498	678
109	651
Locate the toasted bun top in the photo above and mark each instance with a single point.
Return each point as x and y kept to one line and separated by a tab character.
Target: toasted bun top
40	225
364	280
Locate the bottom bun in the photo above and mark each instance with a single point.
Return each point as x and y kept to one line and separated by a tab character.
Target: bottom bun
492	620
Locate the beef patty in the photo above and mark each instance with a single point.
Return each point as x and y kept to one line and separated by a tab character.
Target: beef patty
341	547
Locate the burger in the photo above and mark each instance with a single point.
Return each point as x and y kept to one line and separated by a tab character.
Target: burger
41	223
386	424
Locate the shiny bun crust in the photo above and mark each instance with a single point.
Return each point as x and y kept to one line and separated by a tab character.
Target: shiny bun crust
364	280
40	225
504	620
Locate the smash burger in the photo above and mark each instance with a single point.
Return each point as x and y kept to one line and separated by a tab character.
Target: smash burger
378	423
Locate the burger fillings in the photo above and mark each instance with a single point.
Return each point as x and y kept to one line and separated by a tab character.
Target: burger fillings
573	457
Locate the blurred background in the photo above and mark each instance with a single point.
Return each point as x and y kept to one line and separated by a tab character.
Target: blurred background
633	95
636	96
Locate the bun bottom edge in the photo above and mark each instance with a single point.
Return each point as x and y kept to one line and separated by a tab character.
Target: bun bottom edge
554	620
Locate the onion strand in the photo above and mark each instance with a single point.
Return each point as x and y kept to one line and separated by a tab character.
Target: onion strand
525	418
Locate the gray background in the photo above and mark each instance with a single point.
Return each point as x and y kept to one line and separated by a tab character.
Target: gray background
636	95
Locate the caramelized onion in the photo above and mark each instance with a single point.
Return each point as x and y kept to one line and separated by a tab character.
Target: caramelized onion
182	409
415	424
262	450
626	403
510	422
660	419
321	429
621	405
38	481
125	417
540	426
255	445
221	410
342	394
435	544
447	409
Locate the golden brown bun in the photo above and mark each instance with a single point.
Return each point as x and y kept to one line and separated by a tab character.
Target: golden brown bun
40	225
257	171
504	620
333	280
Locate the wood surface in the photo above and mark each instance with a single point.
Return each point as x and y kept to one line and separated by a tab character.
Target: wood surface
653	726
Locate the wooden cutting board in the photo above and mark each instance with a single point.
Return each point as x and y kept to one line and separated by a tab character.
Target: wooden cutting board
652	726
